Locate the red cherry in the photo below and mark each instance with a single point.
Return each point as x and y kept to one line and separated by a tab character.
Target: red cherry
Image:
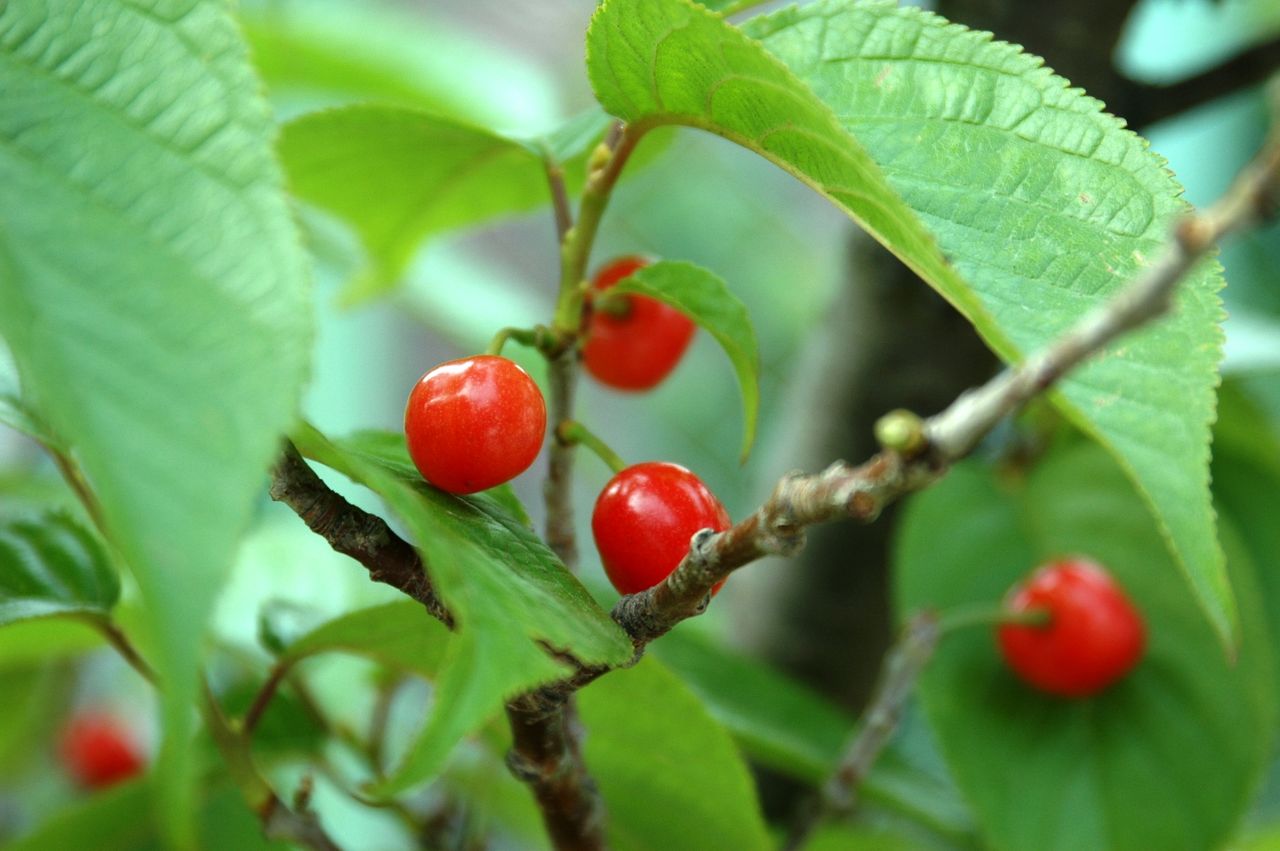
644	519
474	423
1094	635
98	751
636	350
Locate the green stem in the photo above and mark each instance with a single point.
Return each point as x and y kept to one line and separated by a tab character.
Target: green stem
575	248
573	433
532	337
988	614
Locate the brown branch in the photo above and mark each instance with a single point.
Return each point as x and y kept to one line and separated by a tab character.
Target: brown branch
1147	104
545	754
117	639
297	824
364	537
902	667
562	374
860	493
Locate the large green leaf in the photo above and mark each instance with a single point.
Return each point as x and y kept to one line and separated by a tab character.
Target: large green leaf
671	776
512	599
400	175
1010	193
1246	489
152	291
708	301
1167	757
53	566
785	726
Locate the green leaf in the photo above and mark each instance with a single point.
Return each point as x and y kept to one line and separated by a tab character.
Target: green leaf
153	294
1246	482
511	597
400	175
118	819
708	301
671	776
847	838
40	642
779	722
1007	191
115	819
785	726
1167	757
324	53
53	566
400	635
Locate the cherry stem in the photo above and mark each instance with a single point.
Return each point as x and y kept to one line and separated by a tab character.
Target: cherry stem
987	614
572	433
536	338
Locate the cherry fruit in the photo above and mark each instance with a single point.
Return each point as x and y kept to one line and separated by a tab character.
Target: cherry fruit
474	423
1093	637
97	751
644	519
636	348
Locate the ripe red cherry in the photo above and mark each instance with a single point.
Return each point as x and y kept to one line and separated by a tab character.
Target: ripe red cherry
1094	635
98	751
638	349
644	519
474	423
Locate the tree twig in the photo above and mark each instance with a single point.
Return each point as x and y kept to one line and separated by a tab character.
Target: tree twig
545	752
902	667
364	537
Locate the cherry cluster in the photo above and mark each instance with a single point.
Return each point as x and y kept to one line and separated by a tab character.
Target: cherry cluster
474	423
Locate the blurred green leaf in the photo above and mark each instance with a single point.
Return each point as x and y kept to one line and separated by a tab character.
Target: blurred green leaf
401	635
119	819
1167	757
325	53
708	301
779	722
511	597
115	819
846	838
1010	193
400	175
153	294
44	690
42	641
1246	485
670	775
52	565
785	726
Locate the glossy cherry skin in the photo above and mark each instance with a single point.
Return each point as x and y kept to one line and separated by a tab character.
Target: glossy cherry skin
637	350
97	751
1094	635
474	423
644	519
